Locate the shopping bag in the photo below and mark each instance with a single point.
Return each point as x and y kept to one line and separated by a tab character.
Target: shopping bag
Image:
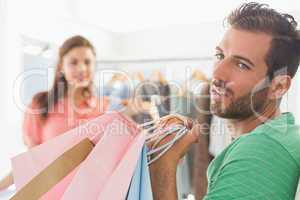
36	160
55	172
118	184
58	190
140	187
102	162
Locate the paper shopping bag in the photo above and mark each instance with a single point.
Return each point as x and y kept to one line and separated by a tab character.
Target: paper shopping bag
100	165
140	187
36	160
116	187
55	172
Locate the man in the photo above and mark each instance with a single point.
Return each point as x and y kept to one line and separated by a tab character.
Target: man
256	60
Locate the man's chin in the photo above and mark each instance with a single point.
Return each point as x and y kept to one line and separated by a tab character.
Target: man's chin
223	113
219	113
217	108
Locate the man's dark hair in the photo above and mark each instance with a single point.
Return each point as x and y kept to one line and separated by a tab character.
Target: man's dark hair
284	52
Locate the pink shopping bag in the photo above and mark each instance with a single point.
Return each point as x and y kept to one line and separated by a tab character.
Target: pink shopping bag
104	160
53	174
58	190
118	184
36	160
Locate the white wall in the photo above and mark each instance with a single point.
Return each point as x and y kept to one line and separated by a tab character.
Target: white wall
52	22
49	30
177	41
11	63
291	100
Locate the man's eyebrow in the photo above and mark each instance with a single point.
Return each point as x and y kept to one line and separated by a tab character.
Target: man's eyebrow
243	58
237	56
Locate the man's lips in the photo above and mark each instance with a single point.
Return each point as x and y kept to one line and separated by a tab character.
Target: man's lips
217	93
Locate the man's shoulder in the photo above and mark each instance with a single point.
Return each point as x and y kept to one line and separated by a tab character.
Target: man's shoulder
270	143
289	139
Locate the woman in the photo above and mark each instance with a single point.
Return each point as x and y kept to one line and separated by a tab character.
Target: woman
69	103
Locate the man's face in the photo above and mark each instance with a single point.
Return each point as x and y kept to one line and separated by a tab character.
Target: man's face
240	67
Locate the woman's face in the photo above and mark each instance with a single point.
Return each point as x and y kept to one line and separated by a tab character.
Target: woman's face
78	66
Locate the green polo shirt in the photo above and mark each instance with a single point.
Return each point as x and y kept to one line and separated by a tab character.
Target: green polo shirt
261	165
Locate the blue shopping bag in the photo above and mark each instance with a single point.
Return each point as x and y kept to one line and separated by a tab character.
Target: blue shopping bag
140	187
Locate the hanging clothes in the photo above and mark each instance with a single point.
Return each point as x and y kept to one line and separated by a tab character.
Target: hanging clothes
151	88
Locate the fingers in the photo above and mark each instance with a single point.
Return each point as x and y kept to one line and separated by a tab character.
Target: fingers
181	144
171	120
190	123
181	147
176	120
195	132
191	137
178	147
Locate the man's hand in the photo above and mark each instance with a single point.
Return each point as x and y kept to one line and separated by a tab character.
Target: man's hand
163	171
180	148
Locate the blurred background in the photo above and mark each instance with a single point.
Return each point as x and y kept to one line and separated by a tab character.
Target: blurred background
171	38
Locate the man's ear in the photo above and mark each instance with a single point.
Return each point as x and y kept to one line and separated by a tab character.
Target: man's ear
279	86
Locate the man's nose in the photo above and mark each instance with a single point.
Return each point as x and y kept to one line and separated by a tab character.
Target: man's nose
222	71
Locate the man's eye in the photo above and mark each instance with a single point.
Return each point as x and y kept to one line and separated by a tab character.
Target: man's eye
219	56
243	66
